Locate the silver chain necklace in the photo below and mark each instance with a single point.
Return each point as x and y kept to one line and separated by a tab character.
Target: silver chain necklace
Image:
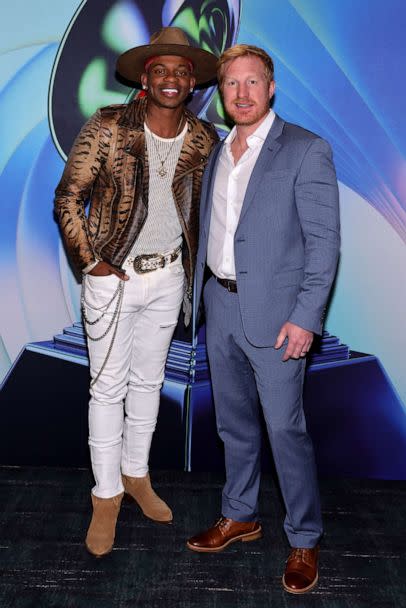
162	171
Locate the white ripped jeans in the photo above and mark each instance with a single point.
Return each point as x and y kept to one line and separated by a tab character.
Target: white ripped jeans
124	401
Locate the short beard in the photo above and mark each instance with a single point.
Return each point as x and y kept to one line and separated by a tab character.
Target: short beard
248	122
251	120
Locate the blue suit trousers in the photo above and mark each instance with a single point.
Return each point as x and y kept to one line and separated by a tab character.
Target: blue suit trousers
240	373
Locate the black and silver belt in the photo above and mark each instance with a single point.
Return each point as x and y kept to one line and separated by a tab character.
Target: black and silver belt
152	261
228	284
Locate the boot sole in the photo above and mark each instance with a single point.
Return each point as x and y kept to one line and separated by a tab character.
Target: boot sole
245	538
98	555
300	591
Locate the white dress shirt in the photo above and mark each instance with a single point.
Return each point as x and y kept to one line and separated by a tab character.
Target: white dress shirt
230	185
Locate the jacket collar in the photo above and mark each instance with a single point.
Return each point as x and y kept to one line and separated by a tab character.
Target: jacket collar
275	132
133	116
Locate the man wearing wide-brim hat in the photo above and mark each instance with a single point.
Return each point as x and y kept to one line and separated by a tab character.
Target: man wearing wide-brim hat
140	165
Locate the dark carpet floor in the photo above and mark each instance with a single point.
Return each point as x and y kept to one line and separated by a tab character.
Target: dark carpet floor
43	563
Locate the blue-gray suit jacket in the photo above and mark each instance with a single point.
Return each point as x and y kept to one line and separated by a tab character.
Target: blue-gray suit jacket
286	245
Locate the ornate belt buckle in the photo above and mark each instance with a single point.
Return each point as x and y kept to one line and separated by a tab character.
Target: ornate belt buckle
138	263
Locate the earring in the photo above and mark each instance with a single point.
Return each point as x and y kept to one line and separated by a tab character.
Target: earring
191	90
144	86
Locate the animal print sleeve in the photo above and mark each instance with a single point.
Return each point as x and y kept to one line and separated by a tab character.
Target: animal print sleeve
73	190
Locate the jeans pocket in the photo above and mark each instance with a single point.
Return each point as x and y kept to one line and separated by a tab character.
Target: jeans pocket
99	290
176	268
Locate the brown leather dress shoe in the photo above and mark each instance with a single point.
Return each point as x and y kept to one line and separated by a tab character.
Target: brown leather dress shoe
301	573
223	533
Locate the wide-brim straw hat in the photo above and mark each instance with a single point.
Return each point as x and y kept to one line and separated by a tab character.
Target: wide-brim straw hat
167	41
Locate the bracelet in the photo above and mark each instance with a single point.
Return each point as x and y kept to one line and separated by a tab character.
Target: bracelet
90	267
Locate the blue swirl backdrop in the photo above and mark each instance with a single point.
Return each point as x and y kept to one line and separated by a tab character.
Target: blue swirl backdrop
339	72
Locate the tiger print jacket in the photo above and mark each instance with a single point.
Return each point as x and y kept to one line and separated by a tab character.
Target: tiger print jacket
108	166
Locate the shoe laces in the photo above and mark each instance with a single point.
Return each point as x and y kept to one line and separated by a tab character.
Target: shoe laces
301	555
297	554
222	524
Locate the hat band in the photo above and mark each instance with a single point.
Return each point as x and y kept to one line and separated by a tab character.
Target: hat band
148	62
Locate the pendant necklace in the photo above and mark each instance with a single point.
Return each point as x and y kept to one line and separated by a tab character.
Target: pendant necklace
162	171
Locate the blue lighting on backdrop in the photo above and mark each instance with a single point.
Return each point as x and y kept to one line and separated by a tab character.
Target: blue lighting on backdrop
339	72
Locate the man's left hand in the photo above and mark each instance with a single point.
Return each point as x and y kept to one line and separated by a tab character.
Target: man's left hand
299	341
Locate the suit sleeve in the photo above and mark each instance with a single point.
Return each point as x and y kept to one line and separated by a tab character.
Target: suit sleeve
316	195
73	190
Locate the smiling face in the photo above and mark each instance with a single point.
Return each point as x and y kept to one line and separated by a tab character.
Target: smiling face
246	90
169	80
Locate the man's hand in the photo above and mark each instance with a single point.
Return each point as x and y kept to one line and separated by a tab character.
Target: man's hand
103	269
299	341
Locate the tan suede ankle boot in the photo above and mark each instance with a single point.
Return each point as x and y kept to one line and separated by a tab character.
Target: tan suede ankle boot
102	530
151	505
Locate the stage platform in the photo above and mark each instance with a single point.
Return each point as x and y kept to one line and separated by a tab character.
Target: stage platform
355	418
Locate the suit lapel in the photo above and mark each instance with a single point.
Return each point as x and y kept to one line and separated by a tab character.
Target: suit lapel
269	149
